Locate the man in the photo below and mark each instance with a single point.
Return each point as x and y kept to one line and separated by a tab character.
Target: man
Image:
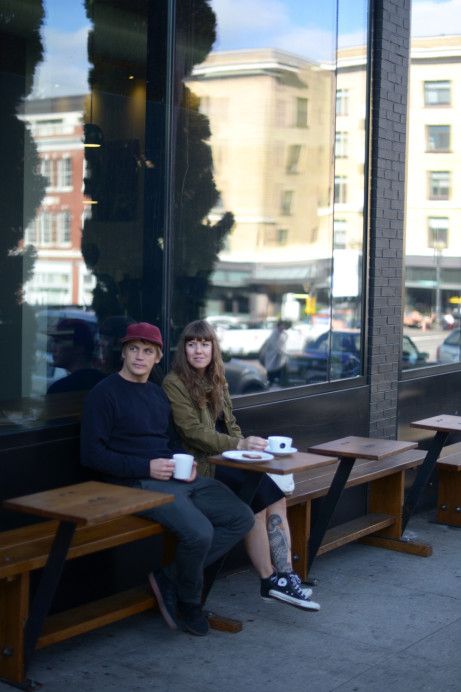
125	437
273	353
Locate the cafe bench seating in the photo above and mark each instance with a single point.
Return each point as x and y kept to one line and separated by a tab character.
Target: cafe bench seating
26	549
381	526
449	485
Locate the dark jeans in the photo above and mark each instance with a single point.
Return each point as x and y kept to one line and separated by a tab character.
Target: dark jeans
207	519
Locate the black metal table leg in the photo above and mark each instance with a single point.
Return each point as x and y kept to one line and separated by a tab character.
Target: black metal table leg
422	476
328	506
47	587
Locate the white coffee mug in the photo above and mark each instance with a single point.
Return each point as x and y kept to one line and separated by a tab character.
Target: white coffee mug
182	466
279	444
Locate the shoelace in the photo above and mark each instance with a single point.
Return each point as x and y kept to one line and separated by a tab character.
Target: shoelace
296	584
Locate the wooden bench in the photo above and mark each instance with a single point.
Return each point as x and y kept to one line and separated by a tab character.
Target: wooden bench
26	549
449	485
381	526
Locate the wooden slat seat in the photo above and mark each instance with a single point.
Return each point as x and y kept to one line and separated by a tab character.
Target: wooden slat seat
382	525
26	549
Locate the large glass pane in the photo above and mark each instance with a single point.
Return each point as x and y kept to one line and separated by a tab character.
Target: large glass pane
269	188
74	208
432	312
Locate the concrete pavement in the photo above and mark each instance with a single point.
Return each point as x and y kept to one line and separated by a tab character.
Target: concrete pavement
388	622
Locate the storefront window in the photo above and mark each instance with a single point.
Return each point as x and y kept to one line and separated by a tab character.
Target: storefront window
261	101
166	167
432	300
78	198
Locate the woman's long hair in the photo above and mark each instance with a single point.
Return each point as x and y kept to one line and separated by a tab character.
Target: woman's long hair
207	389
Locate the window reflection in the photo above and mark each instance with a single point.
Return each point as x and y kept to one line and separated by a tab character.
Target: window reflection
433	212
288	267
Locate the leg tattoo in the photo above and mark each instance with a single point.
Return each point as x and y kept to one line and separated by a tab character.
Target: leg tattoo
278	543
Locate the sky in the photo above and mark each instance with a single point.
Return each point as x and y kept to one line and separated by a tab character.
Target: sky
304	27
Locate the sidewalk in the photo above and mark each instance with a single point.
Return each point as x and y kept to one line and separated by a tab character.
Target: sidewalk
388	622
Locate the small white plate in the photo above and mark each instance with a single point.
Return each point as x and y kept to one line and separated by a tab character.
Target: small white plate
283	452
237	455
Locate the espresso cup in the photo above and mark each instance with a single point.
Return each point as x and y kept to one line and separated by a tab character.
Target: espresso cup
279	444
182	466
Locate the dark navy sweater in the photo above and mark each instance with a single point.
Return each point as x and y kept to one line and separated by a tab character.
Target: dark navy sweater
124	425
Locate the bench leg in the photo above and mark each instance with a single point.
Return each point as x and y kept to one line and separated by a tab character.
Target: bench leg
299	520
449	497
385	496
14	608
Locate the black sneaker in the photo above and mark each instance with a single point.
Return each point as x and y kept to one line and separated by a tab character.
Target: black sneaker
268	583
286	587
165	593
193	619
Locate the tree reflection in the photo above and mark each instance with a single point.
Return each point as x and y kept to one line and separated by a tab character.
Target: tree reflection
21	191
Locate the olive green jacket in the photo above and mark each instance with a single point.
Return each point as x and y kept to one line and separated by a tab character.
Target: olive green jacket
196	426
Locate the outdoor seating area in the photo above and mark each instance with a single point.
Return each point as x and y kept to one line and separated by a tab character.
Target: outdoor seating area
93	516
388	622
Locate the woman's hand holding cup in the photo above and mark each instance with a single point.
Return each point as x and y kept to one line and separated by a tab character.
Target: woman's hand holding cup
258	444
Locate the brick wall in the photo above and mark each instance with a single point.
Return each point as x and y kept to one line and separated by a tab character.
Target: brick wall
391	37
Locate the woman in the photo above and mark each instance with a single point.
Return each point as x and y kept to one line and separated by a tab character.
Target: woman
202	413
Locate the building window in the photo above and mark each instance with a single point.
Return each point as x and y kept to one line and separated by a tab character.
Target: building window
340	189
437	93
342	102
438	137
301	112
339	234
282	236
293	156
46	228
64	172
439	184
46	169
63	227
341	142
437	232
286	204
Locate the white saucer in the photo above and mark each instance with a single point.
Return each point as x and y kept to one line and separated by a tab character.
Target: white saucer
237	455
282	452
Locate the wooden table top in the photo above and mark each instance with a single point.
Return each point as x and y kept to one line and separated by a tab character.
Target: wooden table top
363	447
443	423
299	461
88	503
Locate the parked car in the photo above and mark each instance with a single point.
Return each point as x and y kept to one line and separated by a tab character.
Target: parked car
244	377
337	355
449	350
244	339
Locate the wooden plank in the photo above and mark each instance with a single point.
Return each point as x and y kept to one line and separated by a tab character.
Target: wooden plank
364	447
23	557
223	624
399	544
14	607
353	530
385	496
90	616
449	496
452	462
282	465
88	503
442	423
316	484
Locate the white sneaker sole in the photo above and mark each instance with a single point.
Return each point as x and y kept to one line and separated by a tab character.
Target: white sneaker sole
161	603
297	602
